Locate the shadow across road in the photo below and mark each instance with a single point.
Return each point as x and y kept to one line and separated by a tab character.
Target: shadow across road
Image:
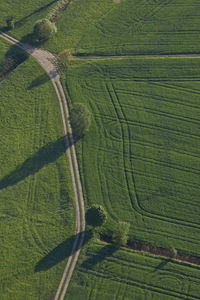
61	252
105	252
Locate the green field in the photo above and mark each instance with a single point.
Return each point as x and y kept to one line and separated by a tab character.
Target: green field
130	27
25	14
36	211
109	274
140	159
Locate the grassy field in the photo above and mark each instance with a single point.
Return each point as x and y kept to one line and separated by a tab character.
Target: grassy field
25	14
129	27
107	274
148	26
36	211
107	28
76	21
140	159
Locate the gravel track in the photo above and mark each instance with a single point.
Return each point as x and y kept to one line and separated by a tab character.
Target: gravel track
47	61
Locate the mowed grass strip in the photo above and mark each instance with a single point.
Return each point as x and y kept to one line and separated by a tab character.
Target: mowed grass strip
107	273
36	196
140	159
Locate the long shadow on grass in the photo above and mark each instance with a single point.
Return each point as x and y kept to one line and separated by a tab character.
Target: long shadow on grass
47	154
105	252
13	58
60	252
162	264
38	81
23	20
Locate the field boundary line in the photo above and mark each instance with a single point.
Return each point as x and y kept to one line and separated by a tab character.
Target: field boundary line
145	56
47	62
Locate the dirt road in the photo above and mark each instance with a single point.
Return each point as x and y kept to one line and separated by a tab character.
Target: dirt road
47	61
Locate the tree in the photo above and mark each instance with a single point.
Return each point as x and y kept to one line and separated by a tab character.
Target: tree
120	235
10	22
80	119
96	216
43	30
173	252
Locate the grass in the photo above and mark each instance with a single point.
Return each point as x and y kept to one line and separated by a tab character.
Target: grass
37	213
145	27
130	27
25	14
79	17
140	159
107	273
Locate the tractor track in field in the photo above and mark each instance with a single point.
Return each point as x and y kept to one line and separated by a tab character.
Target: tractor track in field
156	56
48	61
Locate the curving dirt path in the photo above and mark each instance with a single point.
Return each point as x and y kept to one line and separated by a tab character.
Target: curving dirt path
47	61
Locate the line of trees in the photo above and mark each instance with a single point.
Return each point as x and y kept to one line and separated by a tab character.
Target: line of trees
44	28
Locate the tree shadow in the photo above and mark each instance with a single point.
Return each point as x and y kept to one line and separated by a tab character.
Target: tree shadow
162	264
47	154
39	81
13	58
106	251
62	251
23	20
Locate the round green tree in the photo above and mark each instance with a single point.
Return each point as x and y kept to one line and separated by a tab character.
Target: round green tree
120	235
43	30
96	216
80	119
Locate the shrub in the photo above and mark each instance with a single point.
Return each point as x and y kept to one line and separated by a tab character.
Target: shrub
173	252
96	216
10	22
43	30
120	235
55	13
80	119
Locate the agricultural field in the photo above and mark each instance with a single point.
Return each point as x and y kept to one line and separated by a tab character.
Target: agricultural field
36	212
140	159
105	27
107	273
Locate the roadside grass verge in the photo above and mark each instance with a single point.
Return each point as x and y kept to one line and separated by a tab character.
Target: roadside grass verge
37	210
140	159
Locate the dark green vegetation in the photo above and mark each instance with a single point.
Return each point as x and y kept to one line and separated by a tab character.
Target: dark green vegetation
80	119
107	273
24	13
140	159
43	29
96	215
36	205
120	235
